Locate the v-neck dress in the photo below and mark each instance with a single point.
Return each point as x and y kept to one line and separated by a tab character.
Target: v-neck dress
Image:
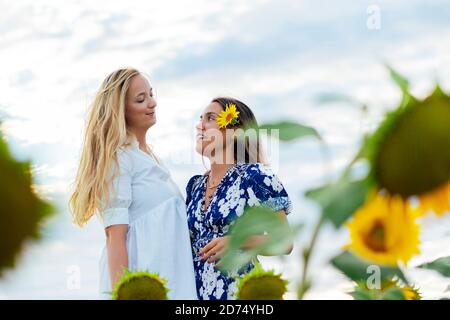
244	185
149	202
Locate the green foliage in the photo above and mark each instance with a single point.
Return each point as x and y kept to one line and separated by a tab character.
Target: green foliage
402	150
388	289
393	294
289	131
303	287
402	159
400	80
21	211
362	293
359	271
441	265
407	98
340	200
256	221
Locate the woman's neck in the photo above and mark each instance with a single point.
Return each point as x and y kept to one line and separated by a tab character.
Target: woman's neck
140	137
218	171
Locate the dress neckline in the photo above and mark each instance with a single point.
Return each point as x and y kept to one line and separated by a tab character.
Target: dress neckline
205	179
134	144
151	156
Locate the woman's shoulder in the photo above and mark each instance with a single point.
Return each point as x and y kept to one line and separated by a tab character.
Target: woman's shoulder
126	159
194	181
132	158
252	170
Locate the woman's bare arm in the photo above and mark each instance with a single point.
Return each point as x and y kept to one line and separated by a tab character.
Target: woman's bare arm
116	236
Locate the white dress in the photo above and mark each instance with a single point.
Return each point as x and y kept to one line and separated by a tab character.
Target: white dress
147	199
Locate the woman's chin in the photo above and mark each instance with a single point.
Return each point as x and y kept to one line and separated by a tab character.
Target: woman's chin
199	147
151	123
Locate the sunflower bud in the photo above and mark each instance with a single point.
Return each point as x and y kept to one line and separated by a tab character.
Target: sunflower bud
414	156
261	285
140	286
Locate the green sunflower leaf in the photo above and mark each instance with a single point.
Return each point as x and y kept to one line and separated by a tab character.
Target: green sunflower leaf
257	221
340	200
289	131
362	294
358	270
400	80
393	294
441	265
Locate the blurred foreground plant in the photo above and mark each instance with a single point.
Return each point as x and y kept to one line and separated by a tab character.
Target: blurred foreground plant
408	157
259	284
21	210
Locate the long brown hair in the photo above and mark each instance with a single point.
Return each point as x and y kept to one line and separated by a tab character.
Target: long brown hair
253	147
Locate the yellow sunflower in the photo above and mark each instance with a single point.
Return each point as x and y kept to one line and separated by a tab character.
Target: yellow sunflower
384	231
411	293
228	116
437	201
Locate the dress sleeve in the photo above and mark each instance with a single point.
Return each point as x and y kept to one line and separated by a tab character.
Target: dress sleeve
120	195
190	188
264	188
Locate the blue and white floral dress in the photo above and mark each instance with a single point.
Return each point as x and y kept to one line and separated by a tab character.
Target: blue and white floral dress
243	185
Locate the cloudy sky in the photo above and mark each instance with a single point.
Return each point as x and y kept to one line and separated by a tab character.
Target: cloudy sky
277	56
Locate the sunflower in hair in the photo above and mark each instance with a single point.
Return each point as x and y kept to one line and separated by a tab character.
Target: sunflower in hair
229	116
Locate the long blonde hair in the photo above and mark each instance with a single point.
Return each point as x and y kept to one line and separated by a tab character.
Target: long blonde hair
105	133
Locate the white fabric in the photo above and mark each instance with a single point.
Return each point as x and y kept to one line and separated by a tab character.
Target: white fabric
146	198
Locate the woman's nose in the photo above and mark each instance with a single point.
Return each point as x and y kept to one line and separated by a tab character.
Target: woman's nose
152	103
199	125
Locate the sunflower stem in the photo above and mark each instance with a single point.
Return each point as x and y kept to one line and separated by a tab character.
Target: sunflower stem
305	283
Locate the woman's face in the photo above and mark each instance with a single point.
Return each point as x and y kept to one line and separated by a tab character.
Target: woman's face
140	104
208	129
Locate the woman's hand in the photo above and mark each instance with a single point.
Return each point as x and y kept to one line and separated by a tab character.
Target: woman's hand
214	250
217	247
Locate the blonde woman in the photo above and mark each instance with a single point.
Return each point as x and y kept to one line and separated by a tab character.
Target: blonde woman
120	179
